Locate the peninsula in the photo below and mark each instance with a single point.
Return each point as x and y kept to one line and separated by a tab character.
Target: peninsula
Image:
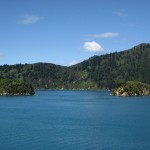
132	88
15	87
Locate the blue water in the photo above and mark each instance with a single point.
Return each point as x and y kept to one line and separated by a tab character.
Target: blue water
74	120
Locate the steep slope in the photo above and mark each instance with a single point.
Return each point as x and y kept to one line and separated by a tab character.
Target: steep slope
111	70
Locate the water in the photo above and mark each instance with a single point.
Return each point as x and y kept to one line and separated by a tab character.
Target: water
74	120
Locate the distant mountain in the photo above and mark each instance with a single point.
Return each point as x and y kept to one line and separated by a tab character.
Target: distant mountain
98	72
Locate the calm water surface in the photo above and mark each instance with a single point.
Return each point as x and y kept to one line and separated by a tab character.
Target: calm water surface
74	120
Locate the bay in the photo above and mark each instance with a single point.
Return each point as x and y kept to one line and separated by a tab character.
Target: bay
74	120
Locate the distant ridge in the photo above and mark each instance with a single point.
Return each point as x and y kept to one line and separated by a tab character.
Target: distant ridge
98	72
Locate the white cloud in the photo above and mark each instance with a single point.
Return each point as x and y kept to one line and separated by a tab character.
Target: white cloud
28	19
92	47
106	35
121	13
73	62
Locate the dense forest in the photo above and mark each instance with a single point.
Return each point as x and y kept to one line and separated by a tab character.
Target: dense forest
98	72
15	87
111	70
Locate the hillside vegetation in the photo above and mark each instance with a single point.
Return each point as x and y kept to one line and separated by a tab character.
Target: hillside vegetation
111	70
99	72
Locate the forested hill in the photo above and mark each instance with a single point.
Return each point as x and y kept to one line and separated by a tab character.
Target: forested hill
103	72
40	75
111	70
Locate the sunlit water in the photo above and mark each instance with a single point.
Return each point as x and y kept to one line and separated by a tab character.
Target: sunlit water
74	120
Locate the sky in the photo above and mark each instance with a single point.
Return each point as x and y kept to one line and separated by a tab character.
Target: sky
66	32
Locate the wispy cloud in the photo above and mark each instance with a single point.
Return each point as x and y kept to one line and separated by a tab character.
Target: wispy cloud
92	47
105	35
28	19
121	13
73	62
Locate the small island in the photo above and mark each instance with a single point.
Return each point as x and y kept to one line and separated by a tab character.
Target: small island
132	88
15	87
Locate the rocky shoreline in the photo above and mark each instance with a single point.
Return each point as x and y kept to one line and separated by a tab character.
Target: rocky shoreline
15	94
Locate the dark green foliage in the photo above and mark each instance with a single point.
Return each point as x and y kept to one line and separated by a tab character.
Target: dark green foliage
42	75
111	70
102	72
15	87
132	88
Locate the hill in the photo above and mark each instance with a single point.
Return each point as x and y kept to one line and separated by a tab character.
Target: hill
98	72
111	70
40	75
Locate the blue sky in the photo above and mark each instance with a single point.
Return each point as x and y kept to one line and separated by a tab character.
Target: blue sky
65	32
